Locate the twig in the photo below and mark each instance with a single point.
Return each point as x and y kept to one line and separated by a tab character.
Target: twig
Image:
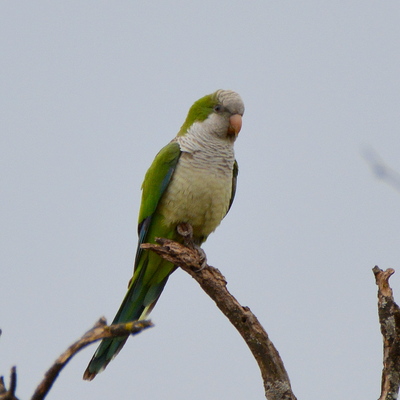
10	393
389	318
99	331
276	381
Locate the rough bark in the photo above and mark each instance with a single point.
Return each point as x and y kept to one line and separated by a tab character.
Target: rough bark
389	318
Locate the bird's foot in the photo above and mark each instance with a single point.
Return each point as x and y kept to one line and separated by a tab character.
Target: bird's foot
203	257
186	231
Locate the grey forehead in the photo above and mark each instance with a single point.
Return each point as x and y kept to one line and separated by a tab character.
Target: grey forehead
231	100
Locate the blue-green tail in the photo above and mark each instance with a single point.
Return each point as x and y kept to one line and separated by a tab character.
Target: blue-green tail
143	293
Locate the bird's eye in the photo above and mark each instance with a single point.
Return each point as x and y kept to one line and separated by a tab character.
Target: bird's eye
218	108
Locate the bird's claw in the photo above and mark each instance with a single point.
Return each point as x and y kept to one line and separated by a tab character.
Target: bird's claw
186	231
202	256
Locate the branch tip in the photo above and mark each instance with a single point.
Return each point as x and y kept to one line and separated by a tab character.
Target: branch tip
382	280
10	393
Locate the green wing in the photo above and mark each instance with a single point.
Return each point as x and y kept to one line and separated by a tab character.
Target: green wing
154	185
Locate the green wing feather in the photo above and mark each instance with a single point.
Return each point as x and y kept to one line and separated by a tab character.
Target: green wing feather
154	184
150	271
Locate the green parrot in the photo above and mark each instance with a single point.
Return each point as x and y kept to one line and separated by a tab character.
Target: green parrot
191	180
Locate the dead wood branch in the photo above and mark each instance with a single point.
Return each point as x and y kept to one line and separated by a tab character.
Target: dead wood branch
10	393
276	381
99	331
389	318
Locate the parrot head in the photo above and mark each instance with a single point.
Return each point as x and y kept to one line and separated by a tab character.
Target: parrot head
219	113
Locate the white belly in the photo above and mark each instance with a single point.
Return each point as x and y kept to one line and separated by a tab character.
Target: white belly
197	194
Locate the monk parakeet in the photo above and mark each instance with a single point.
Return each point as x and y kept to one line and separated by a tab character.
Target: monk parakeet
191	180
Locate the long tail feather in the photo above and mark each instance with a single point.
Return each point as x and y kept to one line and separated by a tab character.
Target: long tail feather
137	304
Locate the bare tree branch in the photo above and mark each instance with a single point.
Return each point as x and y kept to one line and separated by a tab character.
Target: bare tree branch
276	381
99	331
389	318
10	393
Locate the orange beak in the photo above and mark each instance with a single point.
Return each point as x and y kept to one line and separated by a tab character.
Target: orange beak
235	124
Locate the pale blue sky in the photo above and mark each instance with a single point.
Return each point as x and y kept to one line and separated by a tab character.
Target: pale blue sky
90	91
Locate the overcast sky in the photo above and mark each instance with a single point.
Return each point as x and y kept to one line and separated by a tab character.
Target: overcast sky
90	91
